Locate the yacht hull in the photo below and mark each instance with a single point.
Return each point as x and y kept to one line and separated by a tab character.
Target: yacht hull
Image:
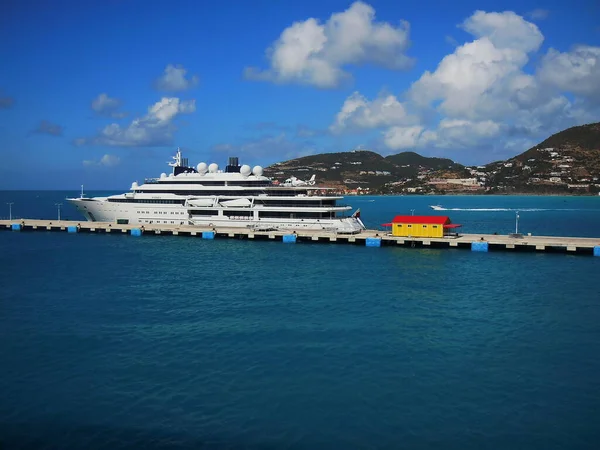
101	210
237	197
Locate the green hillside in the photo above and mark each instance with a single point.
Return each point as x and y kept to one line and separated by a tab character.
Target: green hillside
567	162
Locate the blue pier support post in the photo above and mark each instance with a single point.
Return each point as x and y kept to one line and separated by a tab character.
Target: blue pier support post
480	246
72	229
597	250
289	238
373	242
208	235
16	227
136	232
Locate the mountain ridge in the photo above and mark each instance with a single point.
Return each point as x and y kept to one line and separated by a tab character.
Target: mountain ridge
566	162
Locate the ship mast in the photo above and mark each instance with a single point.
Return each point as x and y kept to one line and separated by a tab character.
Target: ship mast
178	160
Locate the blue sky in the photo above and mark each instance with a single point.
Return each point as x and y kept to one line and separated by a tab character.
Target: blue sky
101	93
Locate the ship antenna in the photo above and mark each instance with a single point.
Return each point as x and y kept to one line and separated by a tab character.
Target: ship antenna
178	160
82	194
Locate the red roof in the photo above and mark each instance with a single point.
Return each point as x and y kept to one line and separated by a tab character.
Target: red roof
441	220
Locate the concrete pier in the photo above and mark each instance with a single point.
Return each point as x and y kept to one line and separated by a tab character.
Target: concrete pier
571	245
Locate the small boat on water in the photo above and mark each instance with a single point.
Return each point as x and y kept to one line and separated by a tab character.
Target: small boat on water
437	207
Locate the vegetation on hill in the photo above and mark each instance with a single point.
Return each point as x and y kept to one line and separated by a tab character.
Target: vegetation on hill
583	136
414	159
566	162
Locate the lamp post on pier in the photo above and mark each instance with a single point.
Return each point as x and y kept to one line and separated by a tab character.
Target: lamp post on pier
58	205
517	223
10	210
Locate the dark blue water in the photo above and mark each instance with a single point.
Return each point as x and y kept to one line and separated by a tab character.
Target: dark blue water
111	341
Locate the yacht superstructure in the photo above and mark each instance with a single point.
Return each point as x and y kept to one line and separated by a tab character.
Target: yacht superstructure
238	196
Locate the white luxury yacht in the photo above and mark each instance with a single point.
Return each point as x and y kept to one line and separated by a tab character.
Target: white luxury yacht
238	196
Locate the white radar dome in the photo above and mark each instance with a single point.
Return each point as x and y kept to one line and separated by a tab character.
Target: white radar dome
163	175
213	168
245	170
257	170
134	185
202	168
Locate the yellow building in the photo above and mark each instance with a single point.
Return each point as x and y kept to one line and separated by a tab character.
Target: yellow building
421	226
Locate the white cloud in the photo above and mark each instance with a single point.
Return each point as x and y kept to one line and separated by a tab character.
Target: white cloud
106	161
470	80
399	138
462	133
505	30
313	53
173	79
483	95
154	129
577	71
110	160
278	147
108	106
358	112
167	108
450	133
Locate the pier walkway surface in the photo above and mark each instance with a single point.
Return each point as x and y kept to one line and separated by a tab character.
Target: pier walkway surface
372	238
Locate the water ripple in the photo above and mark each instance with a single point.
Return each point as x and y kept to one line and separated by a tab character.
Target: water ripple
166	343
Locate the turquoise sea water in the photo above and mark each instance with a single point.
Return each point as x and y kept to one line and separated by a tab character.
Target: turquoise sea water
110	341
562	216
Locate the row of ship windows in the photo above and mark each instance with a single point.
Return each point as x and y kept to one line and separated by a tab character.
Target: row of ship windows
163	221
137	200
267	202
215	192
318	203
215	183
161	212
297	225
267	214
